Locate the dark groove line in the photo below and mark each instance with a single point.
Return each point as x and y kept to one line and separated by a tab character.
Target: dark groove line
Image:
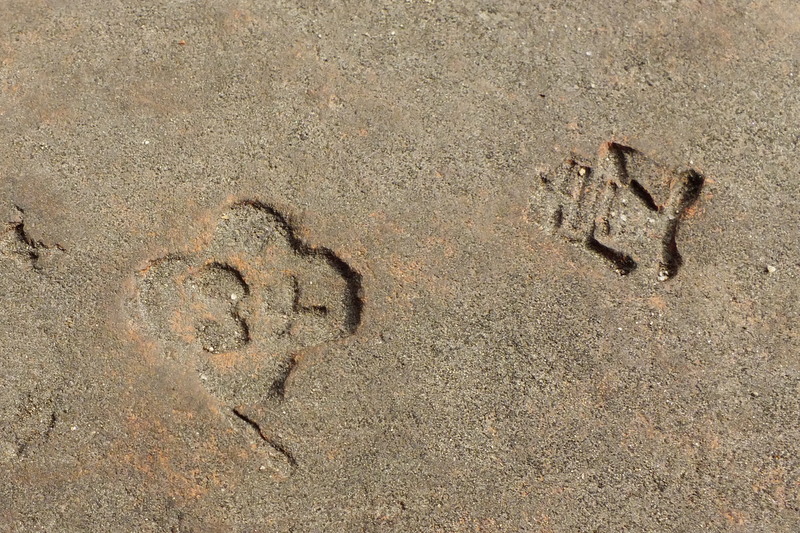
231	270
558	217
622	263
693	184
42	437
620	151
671	259
278	388
22	235
297	307
243	324
275	445
642	193
355	303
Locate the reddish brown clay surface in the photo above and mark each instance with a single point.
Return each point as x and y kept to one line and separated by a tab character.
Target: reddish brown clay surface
306	266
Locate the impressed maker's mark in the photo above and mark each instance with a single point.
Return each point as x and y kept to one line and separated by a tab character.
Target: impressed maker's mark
242	307
626	208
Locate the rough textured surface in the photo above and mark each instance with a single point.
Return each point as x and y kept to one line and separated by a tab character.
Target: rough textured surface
420	351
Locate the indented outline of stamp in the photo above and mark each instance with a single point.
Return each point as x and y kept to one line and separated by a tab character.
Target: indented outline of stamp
625	208
239	309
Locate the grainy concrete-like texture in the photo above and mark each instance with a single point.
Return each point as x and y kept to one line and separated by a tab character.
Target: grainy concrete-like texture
399	266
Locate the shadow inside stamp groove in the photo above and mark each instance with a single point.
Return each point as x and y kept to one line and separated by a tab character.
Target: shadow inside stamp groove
260	434
244	306
354	302
591	206
17	242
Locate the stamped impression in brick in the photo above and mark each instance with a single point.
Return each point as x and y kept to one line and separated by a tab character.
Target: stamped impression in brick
240	310
625	208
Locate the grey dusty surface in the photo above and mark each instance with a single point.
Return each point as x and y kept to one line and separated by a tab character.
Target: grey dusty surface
349	266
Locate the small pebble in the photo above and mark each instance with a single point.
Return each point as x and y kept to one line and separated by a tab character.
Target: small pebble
771	269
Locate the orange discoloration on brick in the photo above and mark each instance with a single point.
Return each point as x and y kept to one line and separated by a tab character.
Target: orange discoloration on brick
237	18
774	483
53	113
166	463
226	362
693	211
146	346
387	224
735	517
657	302
239	263
604	149
443	246
405	271
200	242
182	327
252	360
